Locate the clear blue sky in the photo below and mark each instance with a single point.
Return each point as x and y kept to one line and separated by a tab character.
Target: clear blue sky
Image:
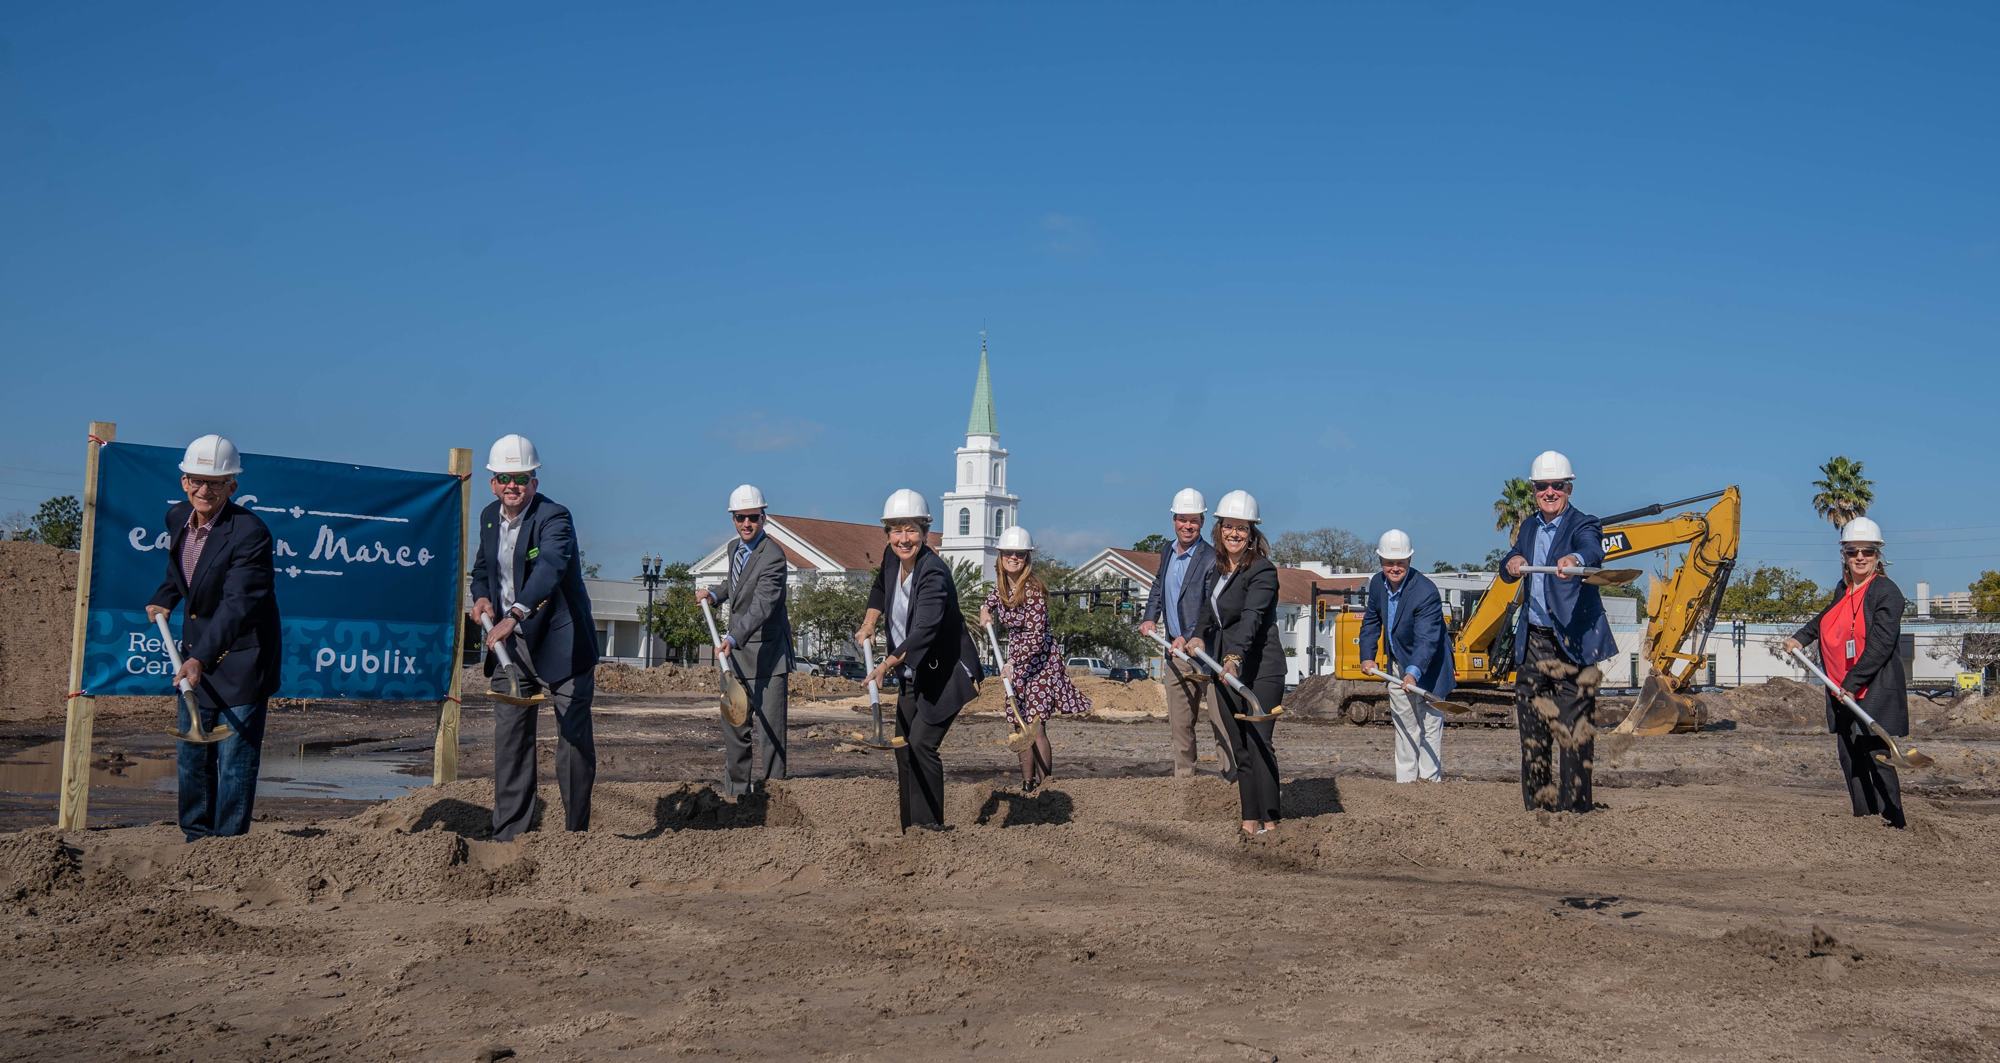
1362	260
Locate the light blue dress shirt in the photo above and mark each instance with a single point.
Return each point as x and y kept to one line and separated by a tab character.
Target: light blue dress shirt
1538	583
1177	567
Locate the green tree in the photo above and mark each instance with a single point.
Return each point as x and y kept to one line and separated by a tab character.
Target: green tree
827	610
1771	593
1442	566
1844	493
59	522
1515	504
1629	590
1151	544
1337	547
1108	630
1986	592
675	618
972	589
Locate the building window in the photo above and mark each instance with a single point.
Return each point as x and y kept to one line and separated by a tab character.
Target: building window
965	522
999	521
996	474
968	472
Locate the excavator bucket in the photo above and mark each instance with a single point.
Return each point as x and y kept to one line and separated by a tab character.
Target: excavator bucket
1659	710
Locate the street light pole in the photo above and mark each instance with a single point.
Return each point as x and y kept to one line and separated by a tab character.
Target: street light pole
651	572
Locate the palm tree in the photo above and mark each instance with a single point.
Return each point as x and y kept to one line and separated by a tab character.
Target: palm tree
972	588
1844	493
1515	504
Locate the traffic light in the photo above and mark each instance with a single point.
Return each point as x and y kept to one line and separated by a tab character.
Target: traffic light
1319	610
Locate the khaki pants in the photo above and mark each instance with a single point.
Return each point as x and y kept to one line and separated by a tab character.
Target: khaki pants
1187	696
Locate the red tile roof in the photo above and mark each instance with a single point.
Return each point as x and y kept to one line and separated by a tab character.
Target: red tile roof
854	547
1294	584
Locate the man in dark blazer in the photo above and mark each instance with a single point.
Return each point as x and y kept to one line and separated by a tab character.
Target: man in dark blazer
1175	603
1405	614
759	638
528	579
930	651
220	565
1560	634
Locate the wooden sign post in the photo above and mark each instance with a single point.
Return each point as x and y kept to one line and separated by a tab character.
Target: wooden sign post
444	752
73	805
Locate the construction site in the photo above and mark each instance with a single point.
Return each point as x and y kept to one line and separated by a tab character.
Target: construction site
1721	903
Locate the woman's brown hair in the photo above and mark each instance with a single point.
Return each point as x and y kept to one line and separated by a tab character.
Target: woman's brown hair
1015	591
1256	549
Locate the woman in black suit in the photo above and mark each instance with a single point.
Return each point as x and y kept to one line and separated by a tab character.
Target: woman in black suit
931	654
1860	634
1239	620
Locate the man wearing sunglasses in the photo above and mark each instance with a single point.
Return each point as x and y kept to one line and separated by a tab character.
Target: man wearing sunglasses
1560	633
527	579
760	638
1175	604
220	566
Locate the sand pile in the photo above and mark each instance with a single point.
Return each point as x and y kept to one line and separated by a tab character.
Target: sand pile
1138	700
659	679
37	607
1780	704
1973	711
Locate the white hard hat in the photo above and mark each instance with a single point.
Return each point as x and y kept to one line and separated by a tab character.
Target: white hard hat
905	504
1016	538
211	455
1237	505
1394	545
513	453
746	496
1861	530
1550	465
1189	500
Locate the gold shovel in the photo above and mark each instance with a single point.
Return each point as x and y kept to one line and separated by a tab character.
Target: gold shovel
1256	713
1452	707
735	703
881	740
1018	734
1596	577
1900	756
514	674
183	694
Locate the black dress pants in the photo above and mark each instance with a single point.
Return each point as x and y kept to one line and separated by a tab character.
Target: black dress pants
514	768
919	768
1872	786
1557	749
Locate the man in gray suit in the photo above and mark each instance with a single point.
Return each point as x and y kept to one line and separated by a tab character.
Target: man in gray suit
1175	603
528	579
760	640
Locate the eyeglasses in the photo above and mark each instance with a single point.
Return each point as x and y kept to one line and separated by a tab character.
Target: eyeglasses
199	486
521	479
1858	551
1550	485
747	518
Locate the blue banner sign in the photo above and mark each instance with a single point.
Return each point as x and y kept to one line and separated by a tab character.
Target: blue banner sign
367	564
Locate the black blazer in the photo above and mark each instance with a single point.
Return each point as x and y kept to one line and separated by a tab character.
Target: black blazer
232	624
1243	620
548	581
1880	666
937	648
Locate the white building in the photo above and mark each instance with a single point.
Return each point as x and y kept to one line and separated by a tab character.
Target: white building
975	511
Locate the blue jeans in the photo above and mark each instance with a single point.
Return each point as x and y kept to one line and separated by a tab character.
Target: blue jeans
218	781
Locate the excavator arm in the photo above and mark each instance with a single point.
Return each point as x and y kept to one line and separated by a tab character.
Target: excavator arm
1681	608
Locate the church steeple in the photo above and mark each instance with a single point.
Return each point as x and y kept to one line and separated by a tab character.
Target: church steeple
982	422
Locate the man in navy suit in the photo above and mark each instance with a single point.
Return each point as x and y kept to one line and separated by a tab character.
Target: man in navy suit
1560	634
231	642
1175	603
528	578
1406	614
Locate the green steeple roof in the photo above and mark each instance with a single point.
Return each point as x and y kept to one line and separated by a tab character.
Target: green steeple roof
982	422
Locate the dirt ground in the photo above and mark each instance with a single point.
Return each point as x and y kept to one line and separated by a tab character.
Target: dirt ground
1721	904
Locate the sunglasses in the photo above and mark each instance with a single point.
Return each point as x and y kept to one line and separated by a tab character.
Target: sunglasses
520	478
747	518
1550	485
1858	551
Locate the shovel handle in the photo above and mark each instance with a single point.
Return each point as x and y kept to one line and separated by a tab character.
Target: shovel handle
1256	707
1169	647
868	662
1005	683
499	648
1562	570
173	654
714	637
1847	699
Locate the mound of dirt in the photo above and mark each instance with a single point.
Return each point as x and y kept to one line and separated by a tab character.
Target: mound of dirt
1780	704
659	679
167	927
1974	711
37	607
1109	700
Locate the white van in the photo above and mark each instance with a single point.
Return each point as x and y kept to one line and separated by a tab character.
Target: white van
1094	665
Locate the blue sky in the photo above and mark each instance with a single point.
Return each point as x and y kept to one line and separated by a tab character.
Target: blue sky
1362	260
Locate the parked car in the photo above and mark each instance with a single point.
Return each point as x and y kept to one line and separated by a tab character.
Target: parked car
844	667
1094	665
1129	675
800	664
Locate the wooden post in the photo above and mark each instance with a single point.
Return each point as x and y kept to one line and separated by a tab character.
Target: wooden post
444	753
73	805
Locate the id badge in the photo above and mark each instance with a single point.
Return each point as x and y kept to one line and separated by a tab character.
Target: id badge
1850	649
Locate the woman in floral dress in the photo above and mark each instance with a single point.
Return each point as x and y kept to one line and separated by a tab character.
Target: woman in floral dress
1042	688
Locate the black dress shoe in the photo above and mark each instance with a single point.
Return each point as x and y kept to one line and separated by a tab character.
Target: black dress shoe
938	827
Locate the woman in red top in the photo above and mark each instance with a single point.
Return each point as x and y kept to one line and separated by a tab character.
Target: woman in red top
1034	660
1860	633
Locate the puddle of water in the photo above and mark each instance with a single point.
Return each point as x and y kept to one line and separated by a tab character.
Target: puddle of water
285	771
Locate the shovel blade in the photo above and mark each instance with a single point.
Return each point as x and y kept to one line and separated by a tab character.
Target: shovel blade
1450	708
735	702
1900	756
1658	711
506	698
1613	577
205	738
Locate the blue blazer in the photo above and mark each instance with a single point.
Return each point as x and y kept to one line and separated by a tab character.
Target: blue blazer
232	623
1201	562
1578	609
1418	640
548	580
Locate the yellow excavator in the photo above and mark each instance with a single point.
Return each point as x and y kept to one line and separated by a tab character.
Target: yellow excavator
1680	609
